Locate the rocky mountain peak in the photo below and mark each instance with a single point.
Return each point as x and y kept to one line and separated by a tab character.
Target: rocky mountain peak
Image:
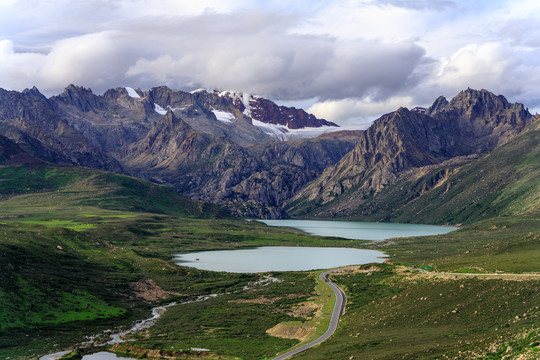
34	92
82	98
478	103
437	106
267	111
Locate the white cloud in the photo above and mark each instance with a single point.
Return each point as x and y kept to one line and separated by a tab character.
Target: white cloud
93	60
366	19
358	113
354	58
477	66
263	58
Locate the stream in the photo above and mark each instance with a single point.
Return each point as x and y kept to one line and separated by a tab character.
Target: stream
157	312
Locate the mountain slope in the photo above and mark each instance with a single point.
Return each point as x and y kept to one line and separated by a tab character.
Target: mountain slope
214	169
404	143
505	182
37	185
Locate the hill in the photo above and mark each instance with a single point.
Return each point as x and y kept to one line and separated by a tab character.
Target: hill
54	187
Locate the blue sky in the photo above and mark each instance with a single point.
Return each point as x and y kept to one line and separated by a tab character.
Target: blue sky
348	61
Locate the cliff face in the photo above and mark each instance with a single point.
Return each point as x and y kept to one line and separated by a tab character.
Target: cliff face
32	117
473	123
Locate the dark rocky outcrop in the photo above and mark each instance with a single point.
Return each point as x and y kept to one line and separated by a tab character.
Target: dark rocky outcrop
13	154
81	98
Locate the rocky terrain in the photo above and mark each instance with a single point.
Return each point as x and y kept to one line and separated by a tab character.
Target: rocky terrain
207	145
404	145
250	155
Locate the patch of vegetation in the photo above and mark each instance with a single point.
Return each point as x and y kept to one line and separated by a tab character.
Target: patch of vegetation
232	324
363	288
526	345
493	245
406	315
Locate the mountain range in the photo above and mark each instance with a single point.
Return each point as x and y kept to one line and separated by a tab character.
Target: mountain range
259	159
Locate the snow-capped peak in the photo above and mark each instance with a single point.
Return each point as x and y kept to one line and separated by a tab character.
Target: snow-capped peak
242	96
197	91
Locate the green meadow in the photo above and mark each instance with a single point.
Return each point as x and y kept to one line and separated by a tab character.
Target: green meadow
83	251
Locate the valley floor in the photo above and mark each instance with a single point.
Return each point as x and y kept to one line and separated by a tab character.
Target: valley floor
73	271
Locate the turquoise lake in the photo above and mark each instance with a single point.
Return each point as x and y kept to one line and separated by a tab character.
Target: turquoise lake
360	230
287	258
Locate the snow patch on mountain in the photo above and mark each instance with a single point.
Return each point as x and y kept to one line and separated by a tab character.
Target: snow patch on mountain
243	97
283	133
223	116
132	93
159	109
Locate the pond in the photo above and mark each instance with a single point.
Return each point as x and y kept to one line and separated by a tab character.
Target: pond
278	258
360	230
103	355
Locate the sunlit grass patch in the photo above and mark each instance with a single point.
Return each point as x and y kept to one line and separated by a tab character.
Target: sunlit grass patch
68	224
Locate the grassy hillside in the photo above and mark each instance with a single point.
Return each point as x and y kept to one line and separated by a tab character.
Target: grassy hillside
52	188
82	251
399	314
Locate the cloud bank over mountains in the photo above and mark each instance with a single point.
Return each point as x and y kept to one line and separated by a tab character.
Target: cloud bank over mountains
352	60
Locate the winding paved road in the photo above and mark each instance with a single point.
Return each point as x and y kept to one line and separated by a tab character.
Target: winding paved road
339	309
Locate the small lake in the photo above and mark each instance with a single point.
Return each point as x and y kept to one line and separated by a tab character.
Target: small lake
103	355
278	258
360	230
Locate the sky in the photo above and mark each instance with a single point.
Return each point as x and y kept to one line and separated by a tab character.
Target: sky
347	61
